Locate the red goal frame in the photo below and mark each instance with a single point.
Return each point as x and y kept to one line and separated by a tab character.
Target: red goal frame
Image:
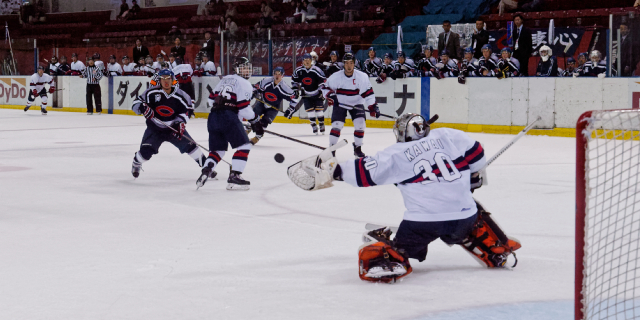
581	204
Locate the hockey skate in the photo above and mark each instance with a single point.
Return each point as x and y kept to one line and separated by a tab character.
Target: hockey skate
357	151
136	167
26	108
384	268
44	111
236	182
207	173
321	125
89	113
315	129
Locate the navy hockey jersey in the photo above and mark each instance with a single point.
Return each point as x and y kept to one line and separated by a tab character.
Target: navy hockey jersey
167	108
309	80
273	94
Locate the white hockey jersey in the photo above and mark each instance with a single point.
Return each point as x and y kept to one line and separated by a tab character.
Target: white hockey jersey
77	66
351	91
239	91
37	82
114	69
209	68
130	68
433	174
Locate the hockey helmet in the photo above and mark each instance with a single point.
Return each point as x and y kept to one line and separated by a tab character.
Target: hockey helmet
468	50
306	56
40	68
96	56
585	55
179	61
205	55
349	56
571	60
334	53
279	69
113	56
425	48
444	52
410	127
198	58
125	57
506	49
243	67
487	47
371	49
388	55
168	73
74	55
401	54
545	53
159	55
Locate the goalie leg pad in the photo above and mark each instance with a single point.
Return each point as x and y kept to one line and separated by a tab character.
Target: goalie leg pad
379	260
488	243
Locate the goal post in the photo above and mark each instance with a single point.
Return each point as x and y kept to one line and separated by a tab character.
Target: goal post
607	270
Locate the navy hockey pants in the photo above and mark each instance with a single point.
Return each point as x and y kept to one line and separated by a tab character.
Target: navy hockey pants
414	236
268	113
154	137
225	129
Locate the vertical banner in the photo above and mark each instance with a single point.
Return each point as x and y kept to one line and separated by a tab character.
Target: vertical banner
510	34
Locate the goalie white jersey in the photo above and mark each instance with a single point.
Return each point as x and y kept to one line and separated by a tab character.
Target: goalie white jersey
433	174
351	91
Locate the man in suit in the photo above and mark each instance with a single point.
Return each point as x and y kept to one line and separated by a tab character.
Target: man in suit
479	38
139	51
523	44
628	50
209	47
179	50
450	41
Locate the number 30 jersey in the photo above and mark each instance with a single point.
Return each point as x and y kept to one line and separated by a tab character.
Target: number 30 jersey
433	174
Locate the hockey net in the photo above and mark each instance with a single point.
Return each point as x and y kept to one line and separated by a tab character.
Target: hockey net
608	215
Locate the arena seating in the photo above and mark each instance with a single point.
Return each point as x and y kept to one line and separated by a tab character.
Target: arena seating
588	17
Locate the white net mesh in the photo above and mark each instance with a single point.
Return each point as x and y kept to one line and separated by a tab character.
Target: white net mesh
611	277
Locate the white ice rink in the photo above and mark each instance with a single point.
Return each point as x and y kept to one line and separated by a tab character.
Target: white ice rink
81	239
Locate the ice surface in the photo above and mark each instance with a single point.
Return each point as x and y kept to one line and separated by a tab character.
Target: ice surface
81	239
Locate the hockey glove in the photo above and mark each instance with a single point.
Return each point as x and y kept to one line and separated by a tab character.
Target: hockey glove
146	111
256	126
381	78
289	113
332	98
52	89
34	92
180	127
374	111
296	94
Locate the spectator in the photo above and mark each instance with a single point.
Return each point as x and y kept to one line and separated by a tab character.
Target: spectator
232	28
124	10
298	13
64	67
93	74
231	11
222	25
135	9
113	68
266	18
139	51
507	5
209	45
523	44
449	41
212	7
628	51
76	66
595	67
174	32
479	38
548	65
312	12
570	68
179	50
530	5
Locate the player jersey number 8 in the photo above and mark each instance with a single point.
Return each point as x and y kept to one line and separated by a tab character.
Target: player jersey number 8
445	165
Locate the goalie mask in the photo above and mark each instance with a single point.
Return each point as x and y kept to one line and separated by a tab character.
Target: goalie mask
545	53
595	57
410	127
243	67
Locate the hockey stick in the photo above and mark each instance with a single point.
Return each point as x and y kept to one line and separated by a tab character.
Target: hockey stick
189	139
295	140
508	145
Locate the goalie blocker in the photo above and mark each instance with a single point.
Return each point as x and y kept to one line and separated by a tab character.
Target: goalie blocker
436	172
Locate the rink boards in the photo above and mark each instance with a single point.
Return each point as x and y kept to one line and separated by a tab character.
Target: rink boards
480	105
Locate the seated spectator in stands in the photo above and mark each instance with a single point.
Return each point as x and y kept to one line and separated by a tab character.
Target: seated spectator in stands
594	67
222	24
530	5
506	6
311	14
135	9
548	65
232	28
636	4
124	11
129	68
139	51
77	66
64	68
174	32
570	68
179	50
231	11
266	18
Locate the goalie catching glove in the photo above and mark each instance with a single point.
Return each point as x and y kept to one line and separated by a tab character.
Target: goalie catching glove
317	172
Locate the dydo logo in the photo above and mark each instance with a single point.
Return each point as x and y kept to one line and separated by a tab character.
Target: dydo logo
14	88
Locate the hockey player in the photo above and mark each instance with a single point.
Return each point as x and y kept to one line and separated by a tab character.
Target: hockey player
447	67
98	63
172	60
209	67
129	68
570	69
427	65
509	67
308	79
184	72
387	68
164	106
436	171
157	65
270	93
548	65
52	67
77	66
113	68
594	67
229	103
64	68
468	67
488	63
333	66
350	91
582	59
403	67
36	88
148	68
373	65
197	68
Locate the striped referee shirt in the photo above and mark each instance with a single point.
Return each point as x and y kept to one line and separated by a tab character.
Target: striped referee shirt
93	74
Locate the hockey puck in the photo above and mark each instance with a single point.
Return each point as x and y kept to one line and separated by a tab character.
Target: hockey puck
279	157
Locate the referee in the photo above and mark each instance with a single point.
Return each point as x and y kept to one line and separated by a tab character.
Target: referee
93	74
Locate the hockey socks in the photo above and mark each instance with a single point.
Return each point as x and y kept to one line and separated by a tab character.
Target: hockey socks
214	157
359	125
320	117
334	135
198	156
239	160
